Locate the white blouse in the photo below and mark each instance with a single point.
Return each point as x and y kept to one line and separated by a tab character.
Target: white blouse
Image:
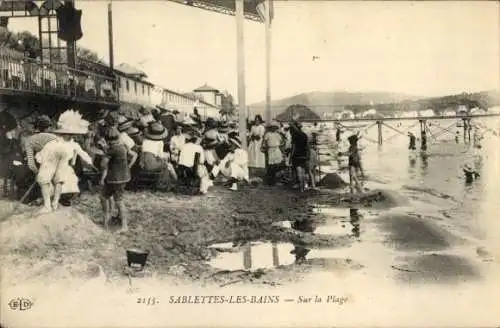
154	147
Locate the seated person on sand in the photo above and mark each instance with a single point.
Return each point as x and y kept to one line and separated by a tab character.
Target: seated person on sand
115	174
234	165
153	157
176	142
192	170
211	139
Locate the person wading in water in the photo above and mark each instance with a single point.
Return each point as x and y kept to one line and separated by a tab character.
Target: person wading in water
413	144
355	169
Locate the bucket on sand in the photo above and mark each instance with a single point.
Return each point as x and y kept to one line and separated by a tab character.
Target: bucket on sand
137	257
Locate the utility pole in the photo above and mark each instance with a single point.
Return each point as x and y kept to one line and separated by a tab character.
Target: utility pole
240	44
110	37
268	60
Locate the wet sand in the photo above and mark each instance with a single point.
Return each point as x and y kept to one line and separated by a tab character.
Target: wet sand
260	241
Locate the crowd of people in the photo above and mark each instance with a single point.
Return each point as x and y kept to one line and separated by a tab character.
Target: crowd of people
182	152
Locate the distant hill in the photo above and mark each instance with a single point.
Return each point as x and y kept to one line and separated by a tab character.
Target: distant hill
298	112
484	100
385	103
321	102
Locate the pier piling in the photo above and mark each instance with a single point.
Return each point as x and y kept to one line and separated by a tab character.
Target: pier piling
379	129
465	129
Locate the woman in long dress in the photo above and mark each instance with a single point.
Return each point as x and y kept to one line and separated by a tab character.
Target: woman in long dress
256	158
272	144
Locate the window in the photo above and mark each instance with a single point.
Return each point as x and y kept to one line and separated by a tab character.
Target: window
143	89
149	90
135	87
127	85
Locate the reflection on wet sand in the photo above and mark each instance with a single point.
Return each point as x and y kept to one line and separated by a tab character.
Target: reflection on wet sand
248	255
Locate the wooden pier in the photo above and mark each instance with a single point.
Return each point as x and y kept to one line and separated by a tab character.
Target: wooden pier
421	120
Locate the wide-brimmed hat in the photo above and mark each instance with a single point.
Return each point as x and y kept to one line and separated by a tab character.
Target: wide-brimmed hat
224	127
144	110
156	131
274	124
132	131
188	121
124	123
235	141
42	122
71	122
211	123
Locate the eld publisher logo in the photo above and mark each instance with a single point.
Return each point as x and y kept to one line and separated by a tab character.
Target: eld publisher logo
20	304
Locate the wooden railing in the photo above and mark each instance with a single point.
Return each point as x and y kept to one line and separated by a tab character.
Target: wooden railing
20	76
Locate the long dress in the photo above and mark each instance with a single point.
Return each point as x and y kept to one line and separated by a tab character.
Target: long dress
273	142
256	158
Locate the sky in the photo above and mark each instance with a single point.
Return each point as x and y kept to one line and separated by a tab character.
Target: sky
416	48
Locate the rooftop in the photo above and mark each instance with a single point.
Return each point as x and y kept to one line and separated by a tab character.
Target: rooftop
127	69
206	88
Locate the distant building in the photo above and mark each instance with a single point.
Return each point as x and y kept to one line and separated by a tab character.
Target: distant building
134	89
185	103
209	94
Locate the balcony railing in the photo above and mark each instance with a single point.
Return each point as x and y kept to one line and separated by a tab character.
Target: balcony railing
26	76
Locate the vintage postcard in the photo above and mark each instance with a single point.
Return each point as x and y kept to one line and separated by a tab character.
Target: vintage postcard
250	163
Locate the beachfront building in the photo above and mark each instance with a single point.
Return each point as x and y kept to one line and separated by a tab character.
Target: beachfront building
135	91
346	114
28	85
185	102
426	113
209	95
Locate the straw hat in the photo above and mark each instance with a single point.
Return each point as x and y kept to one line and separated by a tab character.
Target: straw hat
188	121
224	127
274	124
235	141
132	131
144	110
71	122
156	131
124	123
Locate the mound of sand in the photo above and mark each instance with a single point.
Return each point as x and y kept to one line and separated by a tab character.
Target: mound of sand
332	181
32	234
